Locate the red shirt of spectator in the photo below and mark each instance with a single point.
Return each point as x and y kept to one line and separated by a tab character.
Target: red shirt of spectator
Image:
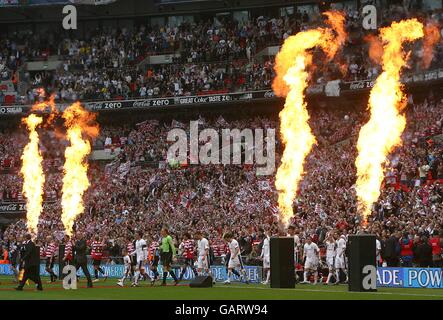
406	248
342	225
435	244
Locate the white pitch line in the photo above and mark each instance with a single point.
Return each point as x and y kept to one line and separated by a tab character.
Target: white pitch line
346	292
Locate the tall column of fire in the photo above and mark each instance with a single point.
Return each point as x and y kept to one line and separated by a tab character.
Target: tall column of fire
81	126
383	132
32	172
32	162
291	67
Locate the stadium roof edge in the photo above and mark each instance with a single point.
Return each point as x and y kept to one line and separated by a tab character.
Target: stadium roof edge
131	9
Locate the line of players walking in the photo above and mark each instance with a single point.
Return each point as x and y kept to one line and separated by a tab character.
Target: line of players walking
308	256
138	256
50	251
335	259
196	255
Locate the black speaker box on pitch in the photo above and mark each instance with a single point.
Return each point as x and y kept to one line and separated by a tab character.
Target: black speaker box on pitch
282	262
201	282
361	254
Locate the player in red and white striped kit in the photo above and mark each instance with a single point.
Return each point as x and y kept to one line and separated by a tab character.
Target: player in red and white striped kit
219	247
42	251
68	256
187	248
50	253
154	258
68	251
96	255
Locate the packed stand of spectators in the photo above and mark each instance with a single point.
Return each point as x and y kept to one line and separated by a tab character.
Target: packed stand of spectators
216	55
211	58
160	81
139	190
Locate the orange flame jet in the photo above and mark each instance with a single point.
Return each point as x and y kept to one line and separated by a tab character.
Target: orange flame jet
32	172
383	132
431	38
79	123
291	81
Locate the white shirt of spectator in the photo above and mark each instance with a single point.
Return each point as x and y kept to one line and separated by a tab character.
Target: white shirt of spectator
108	141
423	170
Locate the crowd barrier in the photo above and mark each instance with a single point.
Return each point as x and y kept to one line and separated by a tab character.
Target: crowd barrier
117	270
431	278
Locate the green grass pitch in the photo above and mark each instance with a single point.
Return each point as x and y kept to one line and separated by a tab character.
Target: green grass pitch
108	290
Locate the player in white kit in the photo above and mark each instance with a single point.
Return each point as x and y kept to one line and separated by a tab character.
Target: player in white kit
203	254
293	233
311	254
266	257
128	268
141	251
235	260
330	256
340	262
378	252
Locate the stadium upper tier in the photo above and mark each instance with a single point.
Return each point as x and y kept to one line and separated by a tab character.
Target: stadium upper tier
221	54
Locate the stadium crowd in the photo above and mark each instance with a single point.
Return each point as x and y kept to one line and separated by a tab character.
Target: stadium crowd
218	55
139	190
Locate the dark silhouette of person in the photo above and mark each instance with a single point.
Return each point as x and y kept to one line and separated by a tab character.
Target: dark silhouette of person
31	260
80	259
